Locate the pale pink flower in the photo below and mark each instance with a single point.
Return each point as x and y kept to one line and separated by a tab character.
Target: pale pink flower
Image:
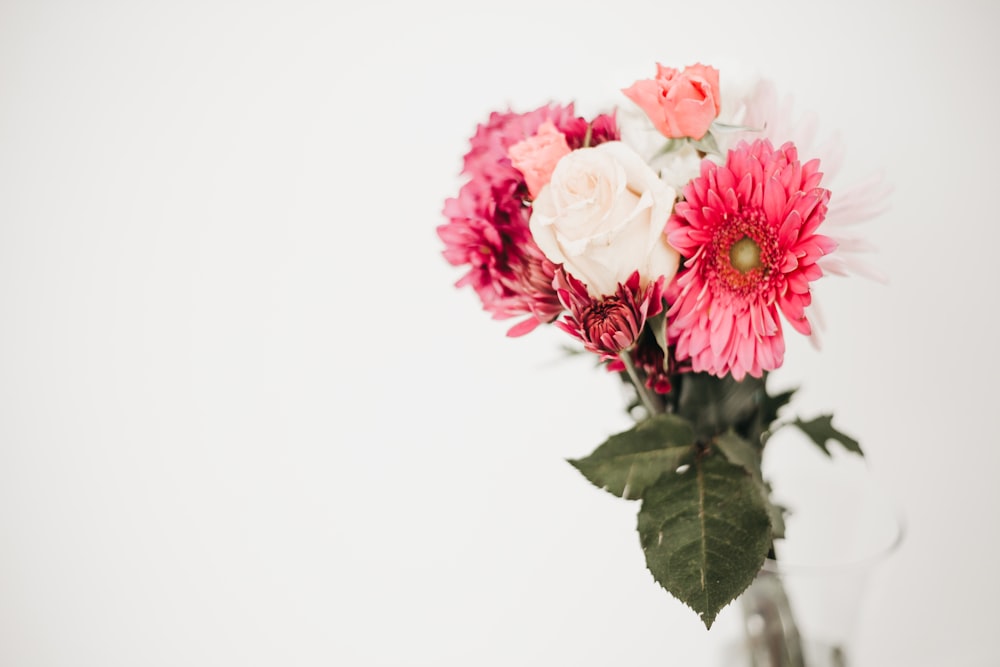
679	103
536	156
748	232
611	324
759	110
767	117
488	158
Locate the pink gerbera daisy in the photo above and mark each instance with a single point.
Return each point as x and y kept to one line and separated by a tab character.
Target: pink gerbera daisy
748	232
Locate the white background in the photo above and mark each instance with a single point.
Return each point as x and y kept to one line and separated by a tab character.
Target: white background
246	420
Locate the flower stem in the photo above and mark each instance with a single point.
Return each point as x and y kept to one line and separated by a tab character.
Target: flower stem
769	624
649	402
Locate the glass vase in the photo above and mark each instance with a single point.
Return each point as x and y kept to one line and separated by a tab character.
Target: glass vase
803	608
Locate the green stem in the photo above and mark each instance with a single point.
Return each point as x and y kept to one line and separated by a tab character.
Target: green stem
772	634
650	402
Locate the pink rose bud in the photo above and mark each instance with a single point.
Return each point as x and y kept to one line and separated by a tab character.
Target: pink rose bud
680	104
536	156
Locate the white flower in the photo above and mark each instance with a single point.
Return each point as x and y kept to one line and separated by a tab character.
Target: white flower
679	166
602	217
676	161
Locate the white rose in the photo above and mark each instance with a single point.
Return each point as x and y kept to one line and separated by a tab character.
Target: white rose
602	216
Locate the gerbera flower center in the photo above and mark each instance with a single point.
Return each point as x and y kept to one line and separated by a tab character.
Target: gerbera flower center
744	252
744	255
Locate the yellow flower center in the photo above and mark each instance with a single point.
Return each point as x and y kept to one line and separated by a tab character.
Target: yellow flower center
744	255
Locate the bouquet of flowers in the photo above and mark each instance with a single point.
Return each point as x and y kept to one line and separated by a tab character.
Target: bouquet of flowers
674	238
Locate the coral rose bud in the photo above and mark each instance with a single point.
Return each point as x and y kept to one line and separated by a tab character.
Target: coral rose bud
679	103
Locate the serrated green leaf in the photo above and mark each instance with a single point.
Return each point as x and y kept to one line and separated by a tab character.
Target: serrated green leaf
705	534
629	462
740	452
820	430
768	414
770	406
776	515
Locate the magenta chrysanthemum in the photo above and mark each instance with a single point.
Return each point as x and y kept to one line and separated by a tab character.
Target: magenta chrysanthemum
487	228
487	159
610	324
507	270
748	232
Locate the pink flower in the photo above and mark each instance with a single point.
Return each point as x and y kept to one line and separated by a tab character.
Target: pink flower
488	232
680	104
487	228
611	324
748	232
773	118
536	156
488	159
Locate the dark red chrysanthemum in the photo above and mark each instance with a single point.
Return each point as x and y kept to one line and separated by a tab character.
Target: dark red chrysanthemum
610	324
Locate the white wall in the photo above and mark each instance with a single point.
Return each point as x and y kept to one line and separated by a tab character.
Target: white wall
246	420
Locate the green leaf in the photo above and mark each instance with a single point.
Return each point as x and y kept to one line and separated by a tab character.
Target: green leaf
670	146
821	429
658	327
768	414
707	144
729	127
740	452
628	463
776	514
715	405
705	534
770	406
